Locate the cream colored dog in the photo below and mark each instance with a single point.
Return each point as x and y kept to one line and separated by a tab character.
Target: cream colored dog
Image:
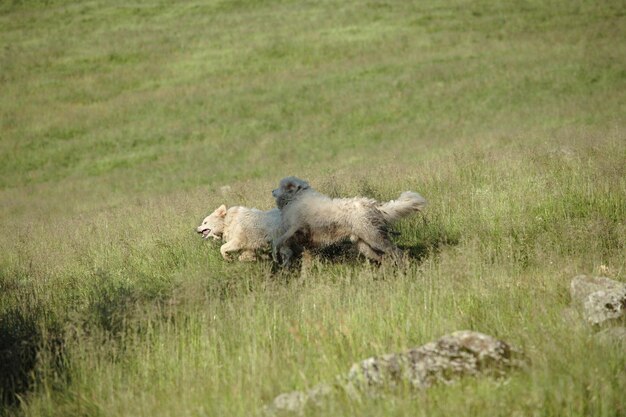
243	229
314	219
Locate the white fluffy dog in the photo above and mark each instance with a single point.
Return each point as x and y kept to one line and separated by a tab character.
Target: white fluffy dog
245	230
314	219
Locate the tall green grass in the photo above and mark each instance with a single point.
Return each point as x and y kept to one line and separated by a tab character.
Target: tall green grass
120	122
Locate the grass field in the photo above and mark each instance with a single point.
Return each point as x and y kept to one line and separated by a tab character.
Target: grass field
120	122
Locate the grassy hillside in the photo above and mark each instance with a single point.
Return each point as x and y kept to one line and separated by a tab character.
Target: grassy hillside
120	122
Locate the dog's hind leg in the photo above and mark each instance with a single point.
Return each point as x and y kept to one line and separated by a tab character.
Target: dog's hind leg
367	251
380	243
392	252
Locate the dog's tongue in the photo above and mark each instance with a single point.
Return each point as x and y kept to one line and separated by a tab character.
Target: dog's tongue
205	234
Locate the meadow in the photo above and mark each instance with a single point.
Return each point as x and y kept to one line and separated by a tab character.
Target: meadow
122	122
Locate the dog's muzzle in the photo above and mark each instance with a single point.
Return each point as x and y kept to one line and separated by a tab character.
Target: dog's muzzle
205	233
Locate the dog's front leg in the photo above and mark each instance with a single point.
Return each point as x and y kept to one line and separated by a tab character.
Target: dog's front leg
227	247
278	243
286	254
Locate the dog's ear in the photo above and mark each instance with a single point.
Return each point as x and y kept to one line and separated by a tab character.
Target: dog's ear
290	186
293	184
221	210
303	185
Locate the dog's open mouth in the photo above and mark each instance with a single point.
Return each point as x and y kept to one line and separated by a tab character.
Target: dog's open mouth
206	233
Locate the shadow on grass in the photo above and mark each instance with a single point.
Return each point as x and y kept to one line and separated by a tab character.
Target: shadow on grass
118	302
31	344
111	303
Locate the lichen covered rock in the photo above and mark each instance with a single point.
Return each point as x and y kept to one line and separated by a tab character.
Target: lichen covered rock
463	353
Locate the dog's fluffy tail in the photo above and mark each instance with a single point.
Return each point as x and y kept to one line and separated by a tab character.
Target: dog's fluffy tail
408	203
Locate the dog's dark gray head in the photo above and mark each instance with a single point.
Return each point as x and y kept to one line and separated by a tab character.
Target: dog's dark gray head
288	189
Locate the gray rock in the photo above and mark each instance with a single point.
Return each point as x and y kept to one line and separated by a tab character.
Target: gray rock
601	306
582	286
602	298
463	353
